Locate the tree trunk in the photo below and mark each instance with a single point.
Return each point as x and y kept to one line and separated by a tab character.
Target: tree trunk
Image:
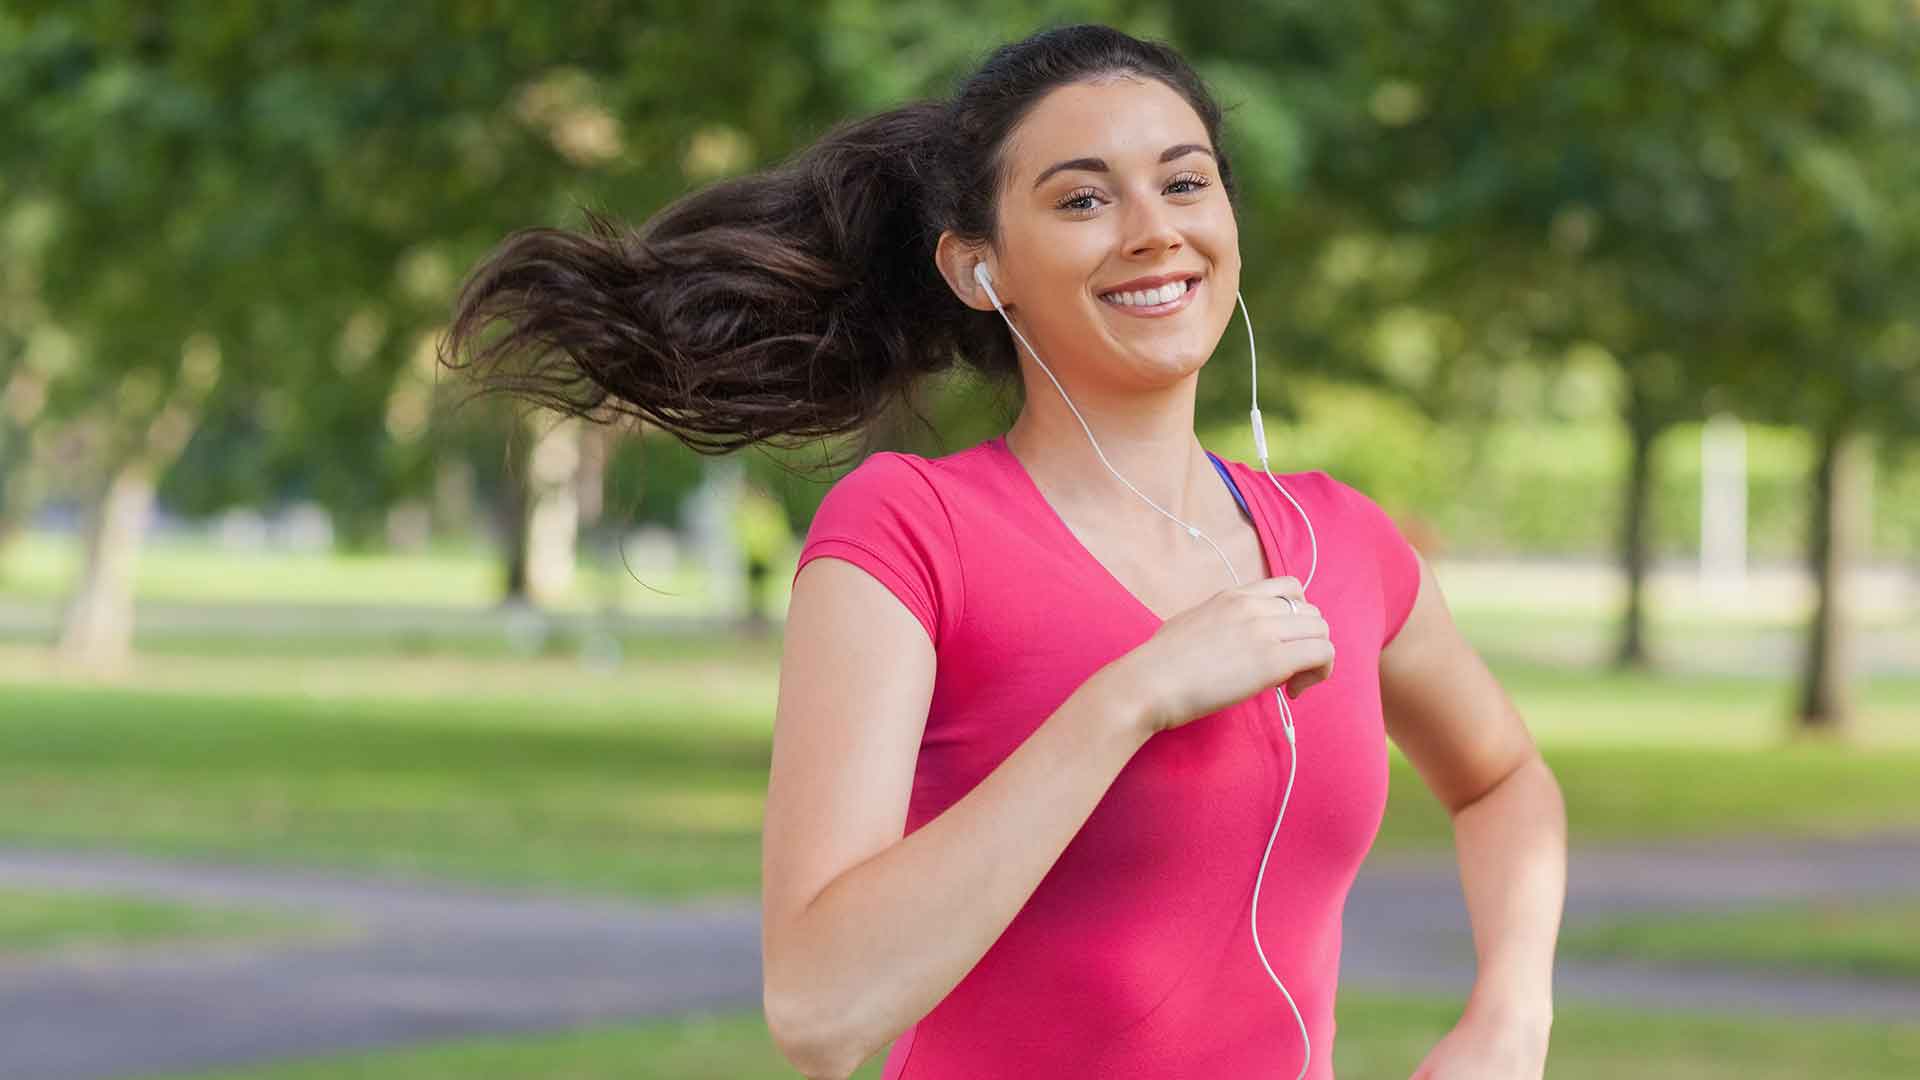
97	631
553	518
1826	706
1643	430
590	482
510	516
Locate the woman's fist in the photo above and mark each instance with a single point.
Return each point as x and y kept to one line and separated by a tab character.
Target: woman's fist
1238	642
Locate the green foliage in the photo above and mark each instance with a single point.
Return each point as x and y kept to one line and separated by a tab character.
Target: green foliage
1436	198
1518	487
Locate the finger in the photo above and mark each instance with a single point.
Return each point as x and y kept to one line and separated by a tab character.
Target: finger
1306	680
1291	627
1280	586
1301	683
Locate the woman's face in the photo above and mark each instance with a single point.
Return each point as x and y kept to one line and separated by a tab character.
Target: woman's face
1108	183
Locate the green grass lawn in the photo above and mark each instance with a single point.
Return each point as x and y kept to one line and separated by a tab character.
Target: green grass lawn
649	779
1545	623
37	922
1870	938
448	754
41	566
1380	1038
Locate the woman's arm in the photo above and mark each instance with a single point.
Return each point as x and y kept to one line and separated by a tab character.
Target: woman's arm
1466	739
889	934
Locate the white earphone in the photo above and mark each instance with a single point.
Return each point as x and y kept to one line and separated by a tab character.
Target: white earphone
981	275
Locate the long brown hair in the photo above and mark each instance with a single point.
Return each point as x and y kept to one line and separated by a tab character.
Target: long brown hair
799	301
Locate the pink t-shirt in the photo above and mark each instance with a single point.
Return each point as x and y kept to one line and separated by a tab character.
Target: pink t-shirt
1133	957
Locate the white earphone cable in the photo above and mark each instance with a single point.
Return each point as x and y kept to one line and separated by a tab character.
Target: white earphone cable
981	275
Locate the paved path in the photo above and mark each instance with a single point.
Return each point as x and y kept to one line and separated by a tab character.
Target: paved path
433	961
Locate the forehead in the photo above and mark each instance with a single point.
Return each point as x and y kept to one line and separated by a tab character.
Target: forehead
1126	120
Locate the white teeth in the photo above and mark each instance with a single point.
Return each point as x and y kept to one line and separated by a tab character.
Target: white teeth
1173	290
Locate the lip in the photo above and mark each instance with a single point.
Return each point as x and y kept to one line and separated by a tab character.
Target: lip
1149	282
1176	304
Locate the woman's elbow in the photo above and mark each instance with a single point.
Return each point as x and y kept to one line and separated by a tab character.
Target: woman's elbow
815	1052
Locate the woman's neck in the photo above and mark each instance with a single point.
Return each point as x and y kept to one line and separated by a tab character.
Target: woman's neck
1165	462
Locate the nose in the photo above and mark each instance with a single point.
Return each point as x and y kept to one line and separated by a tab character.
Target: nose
1150	227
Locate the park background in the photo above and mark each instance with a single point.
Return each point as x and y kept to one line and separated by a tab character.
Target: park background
1611	306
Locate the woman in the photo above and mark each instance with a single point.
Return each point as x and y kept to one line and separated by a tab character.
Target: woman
1029	770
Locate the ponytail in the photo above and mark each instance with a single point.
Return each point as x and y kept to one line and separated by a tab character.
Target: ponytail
798	301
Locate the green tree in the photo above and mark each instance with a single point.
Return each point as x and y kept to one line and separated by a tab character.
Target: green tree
1650	178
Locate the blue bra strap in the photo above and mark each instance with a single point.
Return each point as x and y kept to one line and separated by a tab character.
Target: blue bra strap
1231	486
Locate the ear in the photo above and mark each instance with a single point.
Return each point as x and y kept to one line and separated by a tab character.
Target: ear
955	258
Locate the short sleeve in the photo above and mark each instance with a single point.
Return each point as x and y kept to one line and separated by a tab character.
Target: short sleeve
1395	556
885	517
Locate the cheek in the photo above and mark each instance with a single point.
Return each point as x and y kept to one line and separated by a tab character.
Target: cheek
1223	247
1227	277
1060	269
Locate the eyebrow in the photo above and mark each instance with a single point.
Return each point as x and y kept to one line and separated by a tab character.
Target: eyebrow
1094	164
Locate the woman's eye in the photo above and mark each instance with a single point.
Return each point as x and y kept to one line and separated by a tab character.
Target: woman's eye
1078	196
1078	201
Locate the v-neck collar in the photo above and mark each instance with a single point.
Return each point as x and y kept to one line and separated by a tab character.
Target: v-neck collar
1262	526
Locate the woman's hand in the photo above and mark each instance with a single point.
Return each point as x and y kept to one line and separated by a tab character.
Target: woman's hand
1237	643
1488	1048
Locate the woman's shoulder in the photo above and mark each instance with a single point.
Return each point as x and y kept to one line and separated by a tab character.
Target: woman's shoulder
890	515
924	482
907	479
886	487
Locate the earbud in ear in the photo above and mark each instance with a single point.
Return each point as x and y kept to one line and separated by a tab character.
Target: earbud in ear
985	279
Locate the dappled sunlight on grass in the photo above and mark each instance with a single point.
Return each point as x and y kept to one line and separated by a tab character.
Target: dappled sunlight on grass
1594	708
41	566
702	689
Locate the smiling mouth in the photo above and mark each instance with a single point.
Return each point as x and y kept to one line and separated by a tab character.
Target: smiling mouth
1165	299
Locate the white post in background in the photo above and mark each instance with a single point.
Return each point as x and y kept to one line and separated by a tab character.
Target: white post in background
1723	506
709	518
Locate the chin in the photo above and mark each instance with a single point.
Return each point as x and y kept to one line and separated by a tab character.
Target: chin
1175	365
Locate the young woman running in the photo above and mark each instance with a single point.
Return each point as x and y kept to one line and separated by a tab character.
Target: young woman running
1037	805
